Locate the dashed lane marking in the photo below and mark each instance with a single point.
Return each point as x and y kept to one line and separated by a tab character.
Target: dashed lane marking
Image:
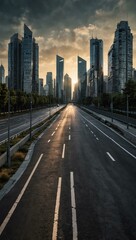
73	206
63	151
111	157
56	214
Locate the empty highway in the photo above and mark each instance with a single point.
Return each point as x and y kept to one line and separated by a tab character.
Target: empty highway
80	185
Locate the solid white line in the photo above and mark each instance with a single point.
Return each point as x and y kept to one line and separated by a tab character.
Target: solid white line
56	214
73	206
11	211
63	152
53	133
49	140
69	137
110	156
109	138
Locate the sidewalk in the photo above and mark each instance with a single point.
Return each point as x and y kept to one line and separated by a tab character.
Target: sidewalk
129	134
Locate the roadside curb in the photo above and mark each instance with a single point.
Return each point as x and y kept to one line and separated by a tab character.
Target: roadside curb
12	181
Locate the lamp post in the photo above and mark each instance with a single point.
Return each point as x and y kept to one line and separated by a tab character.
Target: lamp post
31	114
8	144
127	111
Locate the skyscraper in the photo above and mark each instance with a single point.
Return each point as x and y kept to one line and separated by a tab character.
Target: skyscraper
27	59
59	78
15	62
96	64
2	74
23	62
82	79
49	82
67	88
120	65
35	73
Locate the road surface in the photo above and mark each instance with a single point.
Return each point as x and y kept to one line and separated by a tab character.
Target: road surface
21	122
80	184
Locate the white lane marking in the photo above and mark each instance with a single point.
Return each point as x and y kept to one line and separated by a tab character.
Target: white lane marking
56	214
11	211
97	139
53	133
69	128
49	140
56	128
86	125
63	152
110	156
73	206
110	138
69	137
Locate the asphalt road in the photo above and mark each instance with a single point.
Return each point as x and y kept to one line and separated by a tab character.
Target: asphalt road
80	184
21	122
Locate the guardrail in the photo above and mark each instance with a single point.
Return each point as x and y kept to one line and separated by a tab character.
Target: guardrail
13	149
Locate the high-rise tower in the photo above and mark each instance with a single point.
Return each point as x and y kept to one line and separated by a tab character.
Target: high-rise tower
15	62
96	64
122	55
2	74
59	78
82	79
27	59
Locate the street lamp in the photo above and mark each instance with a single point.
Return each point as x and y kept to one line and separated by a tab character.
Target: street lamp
127	111
31	113
8	144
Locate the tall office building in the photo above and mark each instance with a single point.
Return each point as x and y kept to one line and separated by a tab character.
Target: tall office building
49	82
2	74
15	62
82	78
35	71
67	88
59	78
120	57
96	65
27	59
23	62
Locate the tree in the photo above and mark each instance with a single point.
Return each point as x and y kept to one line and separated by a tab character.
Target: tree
3	97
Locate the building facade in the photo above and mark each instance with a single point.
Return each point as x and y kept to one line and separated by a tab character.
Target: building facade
2	74
23	62
67	88
120	58
15	62
96	66
49	82
59	78
82	78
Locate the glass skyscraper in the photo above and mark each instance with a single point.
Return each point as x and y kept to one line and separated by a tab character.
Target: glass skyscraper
23	62
96	65
15	62
82	78
59	78
120	57
27	59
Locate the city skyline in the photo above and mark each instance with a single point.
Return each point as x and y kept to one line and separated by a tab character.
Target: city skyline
65	29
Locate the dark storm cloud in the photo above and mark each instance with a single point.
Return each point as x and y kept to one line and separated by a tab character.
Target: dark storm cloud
60	24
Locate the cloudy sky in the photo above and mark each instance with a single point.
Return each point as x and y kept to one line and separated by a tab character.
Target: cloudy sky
65	27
